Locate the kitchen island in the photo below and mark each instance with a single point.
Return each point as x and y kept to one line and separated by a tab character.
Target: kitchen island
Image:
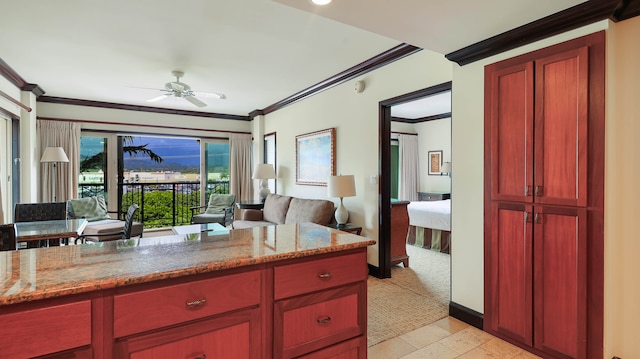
270	292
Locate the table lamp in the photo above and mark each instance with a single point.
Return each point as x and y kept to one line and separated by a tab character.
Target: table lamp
341	186
264	172
54	155
446	169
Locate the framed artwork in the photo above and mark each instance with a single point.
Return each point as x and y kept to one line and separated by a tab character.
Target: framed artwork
435	163
315	157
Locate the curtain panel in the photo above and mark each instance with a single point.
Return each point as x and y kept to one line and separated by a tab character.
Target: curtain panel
240	155
66	135
409	171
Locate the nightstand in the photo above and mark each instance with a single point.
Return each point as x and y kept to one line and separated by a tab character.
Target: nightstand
433	196
347	227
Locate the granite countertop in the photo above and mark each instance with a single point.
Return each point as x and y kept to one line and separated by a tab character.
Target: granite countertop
33	274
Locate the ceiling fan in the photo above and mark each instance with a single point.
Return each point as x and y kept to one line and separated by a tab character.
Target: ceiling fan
181	89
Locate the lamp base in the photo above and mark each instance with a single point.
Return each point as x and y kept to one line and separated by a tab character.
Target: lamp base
264	190
342	215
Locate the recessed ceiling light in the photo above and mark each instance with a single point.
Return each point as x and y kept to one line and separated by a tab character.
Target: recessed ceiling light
321	2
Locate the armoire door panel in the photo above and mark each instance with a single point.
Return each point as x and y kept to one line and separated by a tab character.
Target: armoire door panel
511	271
512	133
560	277
561	134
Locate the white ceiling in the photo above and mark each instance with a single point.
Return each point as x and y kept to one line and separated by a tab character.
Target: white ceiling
256	52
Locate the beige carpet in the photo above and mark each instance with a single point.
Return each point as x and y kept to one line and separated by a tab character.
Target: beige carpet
412	298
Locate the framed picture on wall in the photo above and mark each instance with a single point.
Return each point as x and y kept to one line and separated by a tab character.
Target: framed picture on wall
315	157
435	163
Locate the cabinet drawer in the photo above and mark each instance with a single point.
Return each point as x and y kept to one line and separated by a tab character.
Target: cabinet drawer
307	323
351	349
150	309
300	278
62	327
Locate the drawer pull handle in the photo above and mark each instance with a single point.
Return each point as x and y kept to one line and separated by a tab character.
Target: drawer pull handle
326	275
198	356
195	304
324	320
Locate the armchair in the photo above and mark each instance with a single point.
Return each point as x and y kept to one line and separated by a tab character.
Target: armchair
125	233
101	226
219	210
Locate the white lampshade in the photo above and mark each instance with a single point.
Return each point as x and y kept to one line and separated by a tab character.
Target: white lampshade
264	171
446	167
54	154
341	186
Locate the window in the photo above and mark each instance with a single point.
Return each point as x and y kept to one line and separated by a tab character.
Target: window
270	156
217	167
93	167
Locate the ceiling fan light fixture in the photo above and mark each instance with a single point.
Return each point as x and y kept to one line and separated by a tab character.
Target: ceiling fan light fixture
182	90
321	2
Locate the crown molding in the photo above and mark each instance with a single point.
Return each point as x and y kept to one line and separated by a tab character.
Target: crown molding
563	21
626	10
8	73
421	119
120	106
371	64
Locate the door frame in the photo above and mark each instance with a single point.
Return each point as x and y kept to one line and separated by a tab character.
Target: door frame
384	164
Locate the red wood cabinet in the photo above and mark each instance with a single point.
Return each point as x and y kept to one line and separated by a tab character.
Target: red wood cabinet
319	304
540	156
70	321
234	335
543	208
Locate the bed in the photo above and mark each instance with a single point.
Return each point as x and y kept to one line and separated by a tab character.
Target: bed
430	225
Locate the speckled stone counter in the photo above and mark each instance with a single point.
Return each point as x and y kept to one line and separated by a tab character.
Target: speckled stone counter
34	274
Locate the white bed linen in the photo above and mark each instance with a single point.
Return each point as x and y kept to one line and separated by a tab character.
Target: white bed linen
430	214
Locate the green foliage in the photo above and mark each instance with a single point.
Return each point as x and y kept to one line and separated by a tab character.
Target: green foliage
158	211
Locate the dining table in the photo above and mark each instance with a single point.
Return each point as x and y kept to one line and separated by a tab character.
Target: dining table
47	230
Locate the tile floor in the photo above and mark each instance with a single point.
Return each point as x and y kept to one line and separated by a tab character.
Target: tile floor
447	338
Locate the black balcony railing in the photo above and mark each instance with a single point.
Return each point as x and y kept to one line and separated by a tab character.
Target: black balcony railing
161	204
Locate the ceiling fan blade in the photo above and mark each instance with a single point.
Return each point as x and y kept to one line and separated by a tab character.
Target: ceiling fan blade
195	101
158	98
219	96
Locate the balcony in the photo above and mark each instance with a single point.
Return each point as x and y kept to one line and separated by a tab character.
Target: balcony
163	204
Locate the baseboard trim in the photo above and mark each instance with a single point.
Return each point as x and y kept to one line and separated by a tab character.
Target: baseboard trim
466	315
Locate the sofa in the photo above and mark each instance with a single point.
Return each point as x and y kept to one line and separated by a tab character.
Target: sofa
284	210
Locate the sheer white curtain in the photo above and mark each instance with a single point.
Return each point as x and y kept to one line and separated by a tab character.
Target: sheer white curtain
66	135
240	154
1	209
409	168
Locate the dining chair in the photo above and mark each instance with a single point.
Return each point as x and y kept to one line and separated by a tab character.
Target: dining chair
35	212
125	233
7	237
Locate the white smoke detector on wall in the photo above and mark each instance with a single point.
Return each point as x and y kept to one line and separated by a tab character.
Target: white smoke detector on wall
358	87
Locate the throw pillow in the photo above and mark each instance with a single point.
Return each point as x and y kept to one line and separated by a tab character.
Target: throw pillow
310	210
275	208
218	203
90	208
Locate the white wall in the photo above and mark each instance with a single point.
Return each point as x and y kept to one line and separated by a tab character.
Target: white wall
434	136
622	191
467	221
355	117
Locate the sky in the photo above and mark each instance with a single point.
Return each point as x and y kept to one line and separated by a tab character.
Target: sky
183	151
